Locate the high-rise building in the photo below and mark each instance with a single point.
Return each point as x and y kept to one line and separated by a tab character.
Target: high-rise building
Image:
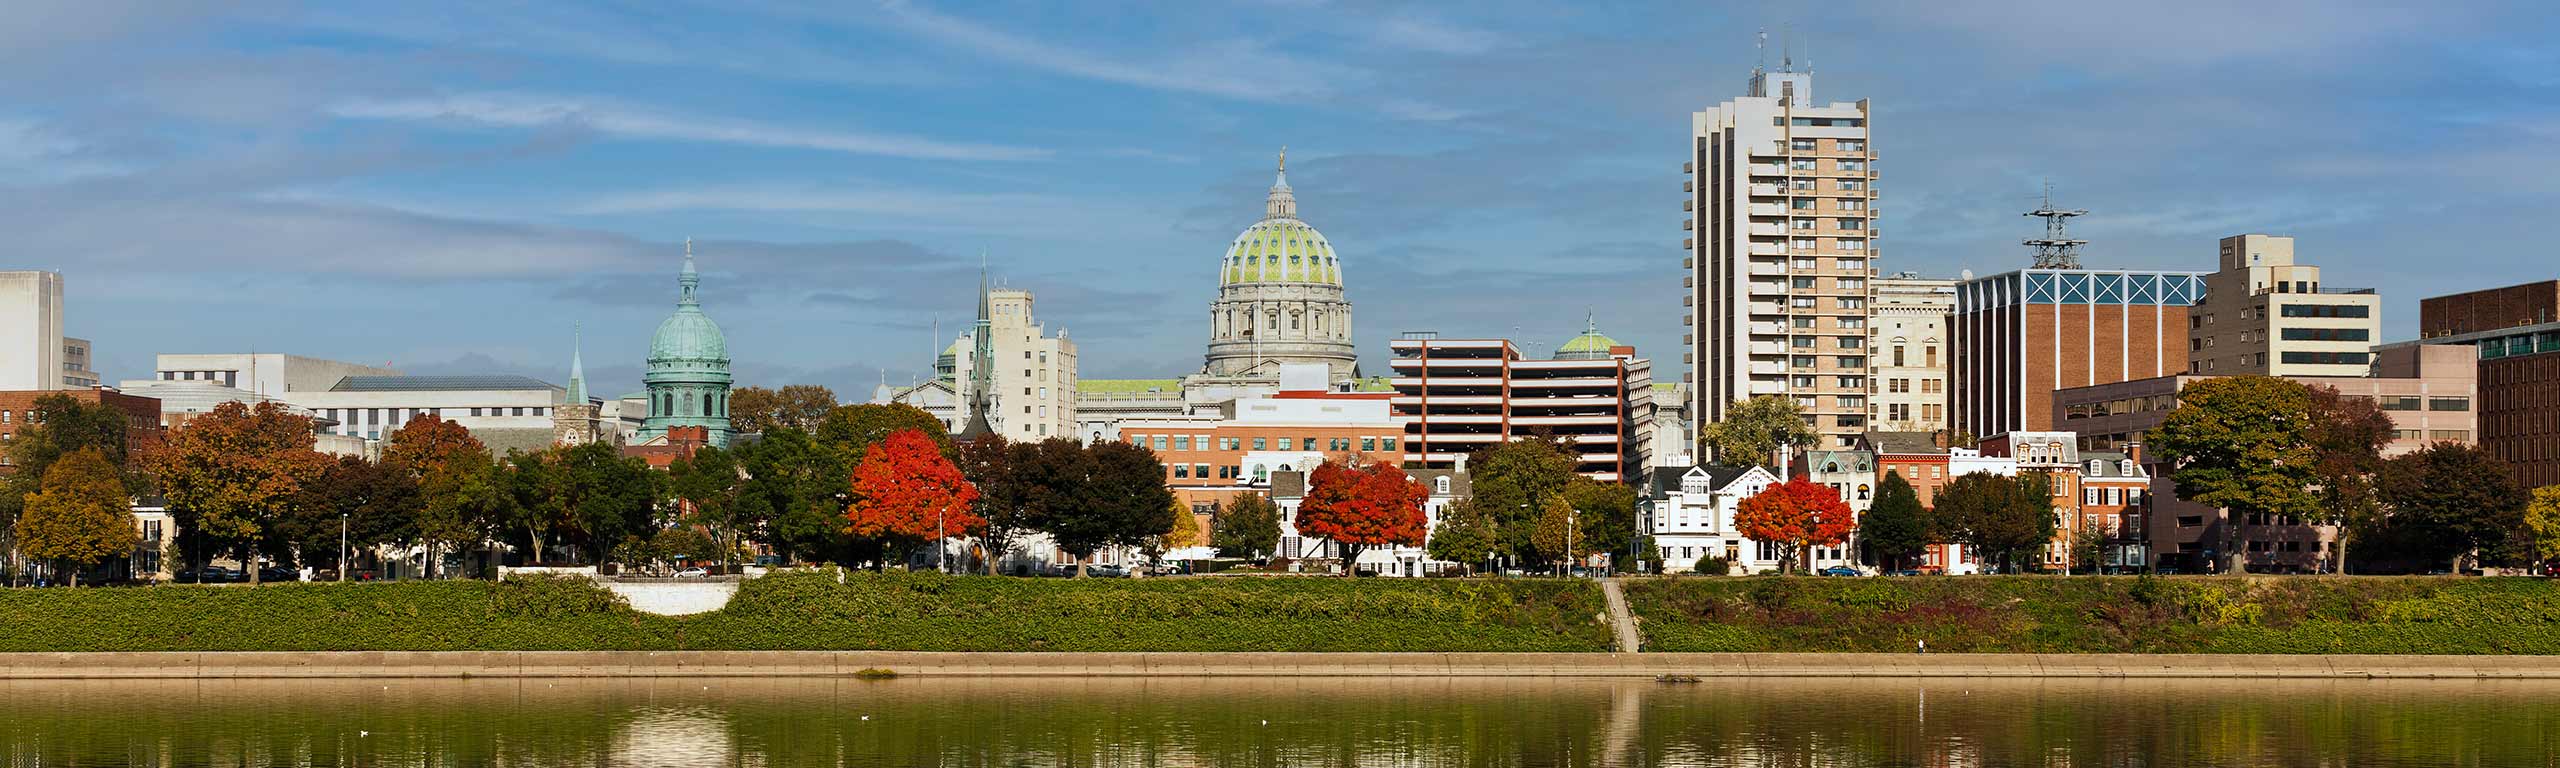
1028	375
2265	314
1457	396
1910	343
1780	241
31	343
2018	336
1280	296
2516	332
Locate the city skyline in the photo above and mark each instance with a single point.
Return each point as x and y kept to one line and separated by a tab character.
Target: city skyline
371	185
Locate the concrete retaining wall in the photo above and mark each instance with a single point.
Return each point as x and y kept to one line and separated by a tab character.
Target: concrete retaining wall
675	598
1706	666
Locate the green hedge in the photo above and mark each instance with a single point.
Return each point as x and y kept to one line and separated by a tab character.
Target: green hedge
2032	614
813	611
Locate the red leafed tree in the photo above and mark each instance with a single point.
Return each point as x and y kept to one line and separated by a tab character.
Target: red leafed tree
1361	507
1796	515
906	490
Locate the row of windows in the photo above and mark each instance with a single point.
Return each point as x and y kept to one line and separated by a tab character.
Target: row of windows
228	378
2326	358
2432	435
2326	310
1202	442
2328	334
1826	122
2410	403
1844	145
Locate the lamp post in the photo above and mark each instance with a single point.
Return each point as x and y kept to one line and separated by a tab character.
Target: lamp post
938	543
342	546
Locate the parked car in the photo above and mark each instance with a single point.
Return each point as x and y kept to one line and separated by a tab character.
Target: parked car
1841	570
272	573
1106	572
692	573
211	574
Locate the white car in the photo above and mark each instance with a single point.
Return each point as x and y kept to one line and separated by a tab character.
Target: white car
692	573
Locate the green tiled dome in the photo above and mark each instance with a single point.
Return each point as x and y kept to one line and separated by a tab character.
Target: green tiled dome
1591	345
689	335
1281	250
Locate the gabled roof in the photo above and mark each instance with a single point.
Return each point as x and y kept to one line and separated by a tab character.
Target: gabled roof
1903	442
1461	484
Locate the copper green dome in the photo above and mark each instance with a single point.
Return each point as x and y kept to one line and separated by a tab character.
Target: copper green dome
689	335
1280	248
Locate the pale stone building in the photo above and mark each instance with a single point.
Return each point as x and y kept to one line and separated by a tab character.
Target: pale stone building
1911	354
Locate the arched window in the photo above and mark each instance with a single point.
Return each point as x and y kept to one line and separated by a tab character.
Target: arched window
1862	492
666	404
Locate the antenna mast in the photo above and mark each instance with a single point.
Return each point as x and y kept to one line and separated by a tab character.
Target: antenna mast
2056	250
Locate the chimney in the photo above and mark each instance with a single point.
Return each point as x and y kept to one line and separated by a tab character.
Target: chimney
2133	451
1462	463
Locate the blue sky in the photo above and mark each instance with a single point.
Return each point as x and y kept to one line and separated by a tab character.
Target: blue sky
453	187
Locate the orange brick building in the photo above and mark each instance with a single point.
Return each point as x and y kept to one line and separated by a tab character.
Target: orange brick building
1210	458
2021	335
142	432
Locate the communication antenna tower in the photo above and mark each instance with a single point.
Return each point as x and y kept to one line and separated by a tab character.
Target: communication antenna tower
2056	250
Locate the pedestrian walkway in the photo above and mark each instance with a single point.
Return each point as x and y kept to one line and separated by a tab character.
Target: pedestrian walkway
1619	618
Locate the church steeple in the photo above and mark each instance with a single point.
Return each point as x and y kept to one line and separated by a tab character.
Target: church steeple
1282	203
981	361
577	367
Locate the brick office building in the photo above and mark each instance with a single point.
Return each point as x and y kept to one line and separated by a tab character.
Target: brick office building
2021	335
2515	333
142	430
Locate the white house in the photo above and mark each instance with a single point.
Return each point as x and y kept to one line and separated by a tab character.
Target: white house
1289	488
1690	512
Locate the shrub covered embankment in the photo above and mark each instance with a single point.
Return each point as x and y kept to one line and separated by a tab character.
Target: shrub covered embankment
2102	615
811	611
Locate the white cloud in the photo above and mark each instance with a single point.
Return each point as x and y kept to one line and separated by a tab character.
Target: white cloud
1268	74
517	110
1431	36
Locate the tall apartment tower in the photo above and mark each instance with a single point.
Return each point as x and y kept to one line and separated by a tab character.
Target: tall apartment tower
1780	241
1031	373
31	342
2264	313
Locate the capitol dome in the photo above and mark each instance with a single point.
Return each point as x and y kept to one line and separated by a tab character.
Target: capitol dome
1281	249
1280	296
1591	345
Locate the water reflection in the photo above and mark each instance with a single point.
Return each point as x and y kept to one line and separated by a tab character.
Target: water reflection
1278	722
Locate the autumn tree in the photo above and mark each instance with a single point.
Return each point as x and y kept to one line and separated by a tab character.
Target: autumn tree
1753	431
2243	444
1896	528
232	472
1358	508
757	410
1186	528
2347	434
1796	515
2542	524
462	490
905	490
2000	517
1552	538
1248	527
2451	501
1463	535
54	426
80	516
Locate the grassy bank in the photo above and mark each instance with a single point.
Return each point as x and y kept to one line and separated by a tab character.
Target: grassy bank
2102	615
923	612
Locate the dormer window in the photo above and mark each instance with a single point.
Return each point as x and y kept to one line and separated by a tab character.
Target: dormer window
1440	485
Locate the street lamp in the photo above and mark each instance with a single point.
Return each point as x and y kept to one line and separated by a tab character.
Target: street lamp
342	546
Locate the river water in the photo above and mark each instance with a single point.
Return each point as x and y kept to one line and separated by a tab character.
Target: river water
1799	723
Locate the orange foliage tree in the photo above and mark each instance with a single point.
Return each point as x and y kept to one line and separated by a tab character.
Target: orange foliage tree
905	490
231	473
1796	515
1361	507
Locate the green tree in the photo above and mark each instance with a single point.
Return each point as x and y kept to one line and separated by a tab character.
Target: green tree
1896	528
1513	483
708	487
2451	501
80	516
1463	535
757	410
1556	536
374	503
851	430
1607	521
2347	435
231	473
2243	444
2002	518
1109	494
2542	523
794	496
989	463
1753	431
1248	527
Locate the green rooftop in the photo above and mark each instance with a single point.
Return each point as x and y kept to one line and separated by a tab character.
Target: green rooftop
1126	386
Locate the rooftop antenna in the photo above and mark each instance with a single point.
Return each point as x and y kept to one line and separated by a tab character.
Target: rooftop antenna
2056	250
1760	63
1787	47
